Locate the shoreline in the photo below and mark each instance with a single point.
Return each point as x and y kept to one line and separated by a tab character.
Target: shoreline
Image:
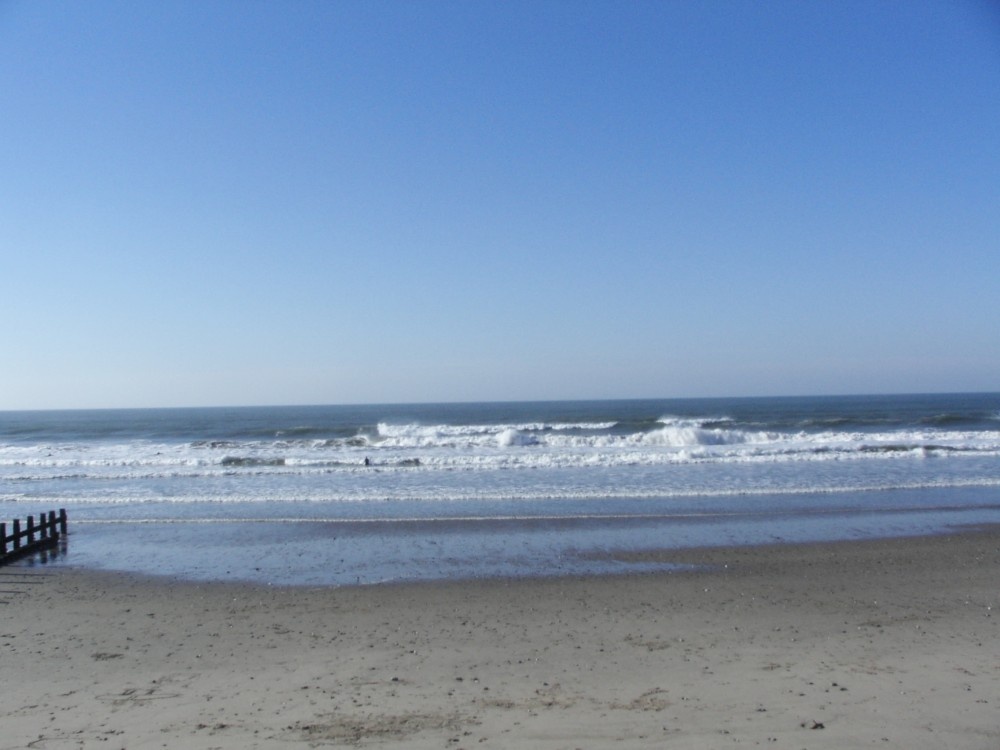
888	642
347	551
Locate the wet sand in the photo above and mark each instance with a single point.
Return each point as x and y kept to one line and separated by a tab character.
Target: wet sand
892	644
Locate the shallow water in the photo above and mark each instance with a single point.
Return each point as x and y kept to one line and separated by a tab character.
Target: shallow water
318	546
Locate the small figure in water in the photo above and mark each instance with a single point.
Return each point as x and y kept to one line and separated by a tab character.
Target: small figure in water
367	461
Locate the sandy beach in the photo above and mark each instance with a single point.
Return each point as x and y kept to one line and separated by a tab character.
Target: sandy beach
892	644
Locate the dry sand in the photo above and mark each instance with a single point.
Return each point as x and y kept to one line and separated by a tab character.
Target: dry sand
888	644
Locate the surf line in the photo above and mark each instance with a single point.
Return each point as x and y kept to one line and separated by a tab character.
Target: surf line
550	518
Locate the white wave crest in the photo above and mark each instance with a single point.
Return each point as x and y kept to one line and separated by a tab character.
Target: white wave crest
674	421
511	437
687	436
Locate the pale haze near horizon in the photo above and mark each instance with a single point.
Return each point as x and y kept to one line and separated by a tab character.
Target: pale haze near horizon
291	203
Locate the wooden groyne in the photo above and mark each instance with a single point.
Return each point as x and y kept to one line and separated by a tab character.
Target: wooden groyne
33	536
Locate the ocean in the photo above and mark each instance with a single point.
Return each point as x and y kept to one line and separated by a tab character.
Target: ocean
335	495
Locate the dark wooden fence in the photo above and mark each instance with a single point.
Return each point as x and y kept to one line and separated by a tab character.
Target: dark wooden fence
33	537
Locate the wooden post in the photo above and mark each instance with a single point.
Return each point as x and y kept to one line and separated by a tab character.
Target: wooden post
38	534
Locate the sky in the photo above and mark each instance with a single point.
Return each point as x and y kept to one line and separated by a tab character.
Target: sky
244	202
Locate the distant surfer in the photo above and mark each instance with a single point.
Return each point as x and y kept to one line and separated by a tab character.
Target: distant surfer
367	461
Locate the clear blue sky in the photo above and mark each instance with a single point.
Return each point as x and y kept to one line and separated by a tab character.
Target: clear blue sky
331	202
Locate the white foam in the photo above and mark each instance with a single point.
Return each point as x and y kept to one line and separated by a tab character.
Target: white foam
429	448
692	421
521	497
511	437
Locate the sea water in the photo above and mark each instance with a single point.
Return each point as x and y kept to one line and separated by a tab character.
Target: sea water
362	494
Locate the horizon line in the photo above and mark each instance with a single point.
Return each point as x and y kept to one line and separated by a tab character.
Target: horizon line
291	405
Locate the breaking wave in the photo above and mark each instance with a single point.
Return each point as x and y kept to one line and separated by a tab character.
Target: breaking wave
536	450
